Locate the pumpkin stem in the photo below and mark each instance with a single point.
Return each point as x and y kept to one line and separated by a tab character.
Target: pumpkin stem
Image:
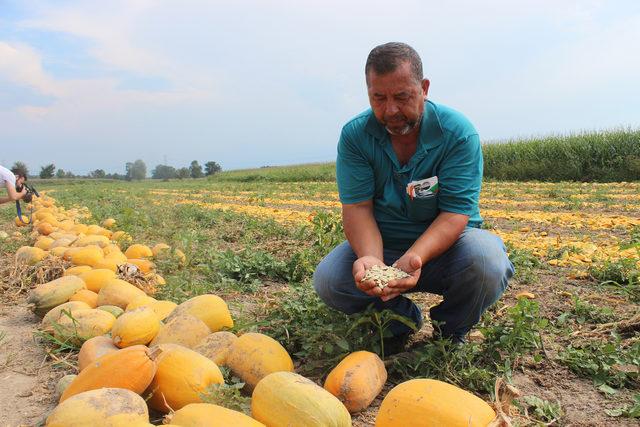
154	353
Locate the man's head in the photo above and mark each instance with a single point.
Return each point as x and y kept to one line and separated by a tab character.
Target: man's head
396	87
21	175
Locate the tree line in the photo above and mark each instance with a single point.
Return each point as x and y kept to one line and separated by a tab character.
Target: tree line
136	170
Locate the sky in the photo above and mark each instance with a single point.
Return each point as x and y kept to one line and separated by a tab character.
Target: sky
95	84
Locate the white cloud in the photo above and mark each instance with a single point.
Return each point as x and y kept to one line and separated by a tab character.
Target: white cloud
21	65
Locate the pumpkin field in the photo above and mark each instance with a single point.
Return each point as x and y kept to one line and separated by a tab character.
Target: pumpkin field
200	291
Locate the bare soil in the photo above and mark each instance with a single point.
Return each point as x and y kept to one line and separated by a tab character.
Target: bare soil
28	378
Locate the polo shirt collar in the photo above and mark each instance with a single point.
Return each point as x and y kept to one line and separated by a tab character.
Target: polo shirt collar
430	128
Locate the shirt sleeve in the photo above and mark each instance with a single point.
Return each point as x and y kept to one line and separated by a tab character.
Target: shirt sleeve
460	177
7	176
354	173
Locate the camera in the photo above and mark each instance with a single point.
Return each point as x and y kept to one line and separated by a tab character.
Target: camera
31	191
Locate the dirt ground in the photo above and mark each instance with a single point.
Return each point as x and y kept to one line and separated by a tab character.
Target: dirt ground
27	376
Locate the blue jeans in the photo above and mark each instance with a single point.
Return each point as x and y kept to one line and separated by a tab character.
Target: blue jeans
471	275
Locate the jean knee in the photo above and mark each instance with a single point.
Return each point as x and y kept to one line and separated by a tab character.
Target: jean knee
322	282
491	272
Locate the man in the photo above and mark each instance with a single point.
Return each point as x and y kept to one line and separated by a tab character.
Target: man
10	179
409	173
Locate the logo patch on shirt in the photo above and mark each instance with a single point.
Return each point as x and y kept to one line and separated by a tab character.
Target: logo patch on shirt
423	189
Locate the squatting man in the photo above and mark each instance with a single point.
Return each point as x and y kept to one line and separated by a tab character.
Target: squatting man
409	173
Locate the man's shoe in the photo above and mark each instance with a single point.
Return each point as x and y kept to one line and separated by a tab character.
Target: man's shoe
396	344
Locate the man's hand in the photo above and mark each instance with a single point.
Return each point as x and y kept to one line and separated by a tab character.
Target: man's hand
410	263
359	268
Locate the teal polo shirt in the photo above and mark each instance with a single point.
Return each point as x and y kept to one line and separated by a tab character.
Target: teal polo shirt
448	148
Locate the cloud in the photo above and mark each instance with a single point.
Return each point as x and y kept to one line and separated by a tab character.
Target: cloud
21	65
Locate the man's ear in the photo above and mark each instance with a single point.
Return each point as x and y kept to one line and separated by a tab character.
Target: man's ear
425	88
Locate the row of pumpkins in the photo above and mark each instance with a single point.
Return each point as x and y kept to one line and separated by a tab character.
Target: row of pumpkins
138	352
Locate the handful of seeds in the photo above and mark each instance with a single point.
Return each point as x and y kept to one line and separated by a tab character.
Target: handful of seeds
382	275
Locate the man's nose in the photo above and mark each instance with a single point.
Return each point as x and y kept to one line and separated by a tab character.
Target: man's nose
392	108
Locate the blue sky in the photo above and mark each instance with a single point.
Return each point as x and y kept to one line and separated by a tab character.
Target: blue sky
94	84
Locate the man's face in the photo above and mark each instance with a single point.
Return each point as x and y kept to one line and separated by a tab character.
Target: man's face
20	180
397	99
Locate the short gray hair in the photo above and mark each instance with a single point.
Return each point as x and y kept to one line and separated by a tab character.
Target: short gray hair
387	57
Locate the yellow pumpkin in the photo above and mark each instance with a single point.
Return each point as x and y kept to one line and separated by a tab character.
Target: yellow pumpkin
79	229
216	346
202	415
30	255
94	229
61	242
161	308
289	399
96	279
86	296
159	249
121	237
45	228
118	292
115	310
63	383
211	309
144	265
48	295
142	301
138	251
82	325
109	222
185	330
87	255
426	402
181	377
131	368
135	327
77	271
93	349
105	407
54	314
357	380
93	240
253	356
107	264
21	221
57	252
44	243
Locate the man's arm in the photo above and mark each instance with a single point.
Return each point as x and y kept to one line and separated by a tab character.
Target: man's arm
13	194
361	229
443	232
363	234
440	236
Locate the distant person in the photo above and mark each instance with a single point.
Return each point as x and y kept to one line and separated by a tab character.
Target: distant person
10	179
409	173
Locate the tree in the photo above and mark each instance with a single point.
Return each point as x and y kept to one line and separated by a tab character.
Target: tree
47	171
136	170
195	170
183	173
21	165
60	173
212	168
69	174
164	172
98	173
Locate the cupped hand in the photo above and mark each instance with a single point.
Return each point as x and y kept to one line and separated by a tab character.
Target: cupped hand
411	264
360	266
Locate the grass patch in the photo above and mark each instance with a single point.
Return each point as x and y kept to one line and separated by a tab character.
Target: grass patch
475	366
608	363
